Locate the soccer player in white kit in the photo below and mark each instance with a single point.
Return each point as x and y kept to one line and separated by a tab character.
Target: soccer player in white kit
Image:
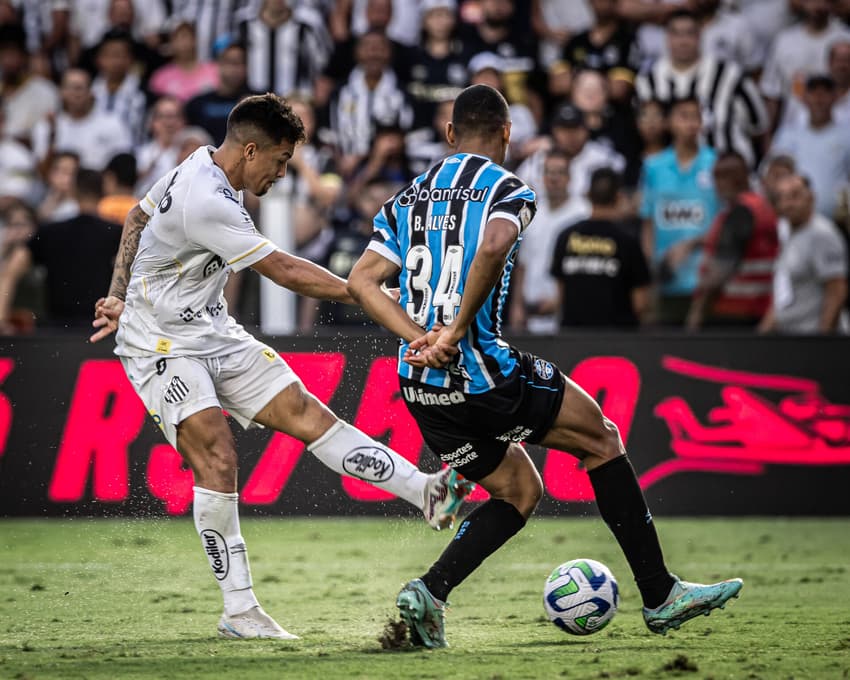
188	359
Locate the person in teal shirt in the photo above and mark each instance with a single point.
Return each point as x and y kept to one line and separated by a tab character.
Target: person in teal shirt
678	204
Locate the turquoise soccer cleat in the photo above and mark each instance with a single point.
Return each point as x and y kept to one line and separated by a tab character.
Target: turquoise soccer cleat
689	600
444	494
424	615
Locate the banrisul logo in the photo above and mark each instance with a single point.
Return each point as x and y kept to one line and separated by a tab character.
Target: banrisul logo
369	463
216	548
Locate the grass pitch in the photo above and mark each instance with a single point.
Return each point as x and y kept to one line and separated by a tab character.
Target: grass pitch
135	599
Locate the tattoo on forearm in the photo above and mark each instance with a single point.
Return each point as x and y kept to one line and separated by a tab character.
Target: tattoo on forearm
133	226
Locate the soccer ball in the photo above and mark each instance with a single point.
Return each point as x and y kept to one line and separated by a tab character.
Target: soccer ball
581	596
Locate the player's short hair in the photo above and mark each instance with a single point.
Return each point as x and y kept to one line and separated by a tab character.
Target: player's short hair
266	119
89	184
123	168
605	186
479	111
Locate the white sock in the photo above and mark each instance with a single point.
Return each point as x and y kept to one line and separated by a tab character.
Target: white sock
217	521
346	450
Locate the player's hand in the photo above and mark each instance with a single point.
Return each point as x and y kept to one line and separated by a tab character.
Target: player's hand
435	349
106	314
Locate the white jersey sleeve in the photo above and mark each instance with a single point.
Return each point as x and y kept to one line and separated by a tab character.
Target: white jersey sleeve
225	228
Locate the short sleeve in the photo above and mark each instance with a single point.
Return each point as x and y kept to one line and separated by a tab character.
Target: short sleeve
385	234
829	255
226	229
514	201
157	193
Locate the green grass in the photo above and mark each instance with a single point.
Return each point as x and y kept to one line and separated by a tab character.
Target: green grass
134	599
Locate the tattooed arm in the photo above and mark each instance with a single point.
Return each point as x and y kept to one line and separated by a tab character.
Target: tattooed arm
107	310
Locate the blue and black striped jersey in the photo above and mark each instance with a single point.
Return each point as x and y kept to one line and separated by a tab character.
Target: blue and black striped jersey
432	229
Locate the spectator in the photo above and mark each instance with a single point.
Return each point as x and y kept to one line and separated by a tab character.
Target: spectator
733	111
60	200
210	110
287	47
17	227
91	19
426	146
117	89
435	69
184	76
798	52
603	278
609	122
159	154
839	71
555	22
60	247
570	135
820	147
650	16
119	181
810	281
46	23
378	15
486	68
608	47
95	136
740	250
399	20
188	140
500	33
18	177
386	162
727	35
775	169
216	21
652	128
535	291
678	204
27	97
370	97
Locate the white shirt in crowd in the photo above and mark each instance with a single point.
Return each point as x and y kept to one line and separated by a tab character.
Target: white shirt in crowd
535	254
27	105
95	138
90	19
198	233
592	156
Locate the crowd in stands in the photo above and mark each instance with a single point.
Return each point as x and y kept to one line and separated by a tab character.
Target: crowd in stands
691	158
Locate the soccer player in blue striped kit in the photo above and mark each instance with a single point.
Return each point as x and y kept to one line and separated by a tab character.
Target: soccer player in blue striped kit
452	235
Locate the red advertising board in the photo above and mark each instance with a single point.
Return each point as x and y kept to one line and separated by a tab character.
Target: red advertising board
714	425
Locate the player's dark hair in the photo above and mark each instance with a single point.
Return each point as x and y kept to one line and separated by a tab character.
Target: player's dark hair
123	168
479	111
266	119
89	183
605	185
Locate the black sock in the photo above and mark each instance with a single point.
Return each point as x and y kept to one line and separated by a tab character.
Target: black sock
623	507
481	533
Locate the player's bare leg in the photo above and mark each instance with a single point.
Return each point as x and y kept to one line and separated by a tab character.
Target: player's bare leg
206	443
348	451
581	429
515	489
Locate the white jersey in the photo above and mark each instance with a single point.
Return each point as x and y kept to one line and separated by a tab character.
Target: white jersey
198	233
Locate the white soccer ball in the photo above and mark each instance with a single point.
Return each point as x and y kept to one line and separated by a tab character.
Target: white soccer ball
581	596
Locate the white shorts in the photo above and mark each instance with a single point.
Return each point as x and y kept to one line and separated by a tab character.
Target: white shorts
242	383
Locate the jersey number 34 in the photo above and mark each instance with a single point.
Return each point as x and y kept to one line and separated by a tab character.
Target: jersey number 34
421	297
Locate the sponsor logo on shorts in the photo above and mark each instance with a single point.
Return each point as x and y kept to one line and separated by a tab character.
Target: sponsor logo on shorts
544	369
369	463
516	434
417	394
216	549
460	456
176	391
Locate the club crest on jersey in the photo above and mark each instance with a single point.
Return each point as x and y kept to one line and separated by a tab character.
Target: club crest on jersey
176	391
544	369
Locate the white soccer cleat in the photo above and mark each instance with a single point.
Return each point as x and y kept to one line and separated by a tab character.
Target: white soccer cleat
252	624
444	494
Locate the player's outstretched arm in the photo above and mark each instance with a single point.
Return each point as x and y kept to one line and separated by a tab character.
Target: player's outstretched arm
303	277
366	286
107	310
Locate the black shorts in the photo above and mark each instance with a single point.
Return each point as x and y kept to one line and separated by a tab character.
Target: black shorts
472	432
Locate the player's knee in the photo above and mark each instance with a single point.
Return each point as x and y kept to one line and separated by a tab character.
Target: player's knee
216	465
610	443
